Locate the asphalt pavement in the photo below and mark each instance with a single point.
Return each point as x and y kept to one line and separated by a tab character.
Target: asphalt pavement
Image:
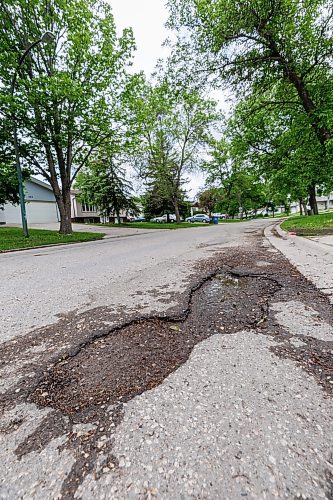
138	271
246	415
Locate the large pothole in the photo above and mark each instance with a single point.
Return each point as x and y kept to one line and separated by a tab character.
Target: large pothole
130	360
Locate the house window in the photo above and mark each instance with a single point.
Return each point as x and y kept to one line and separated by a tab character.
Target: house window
88	208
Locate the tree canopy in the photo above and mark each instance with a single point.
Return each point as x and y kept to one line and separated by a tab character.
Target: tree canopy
254	45
175	129
69	91
276	57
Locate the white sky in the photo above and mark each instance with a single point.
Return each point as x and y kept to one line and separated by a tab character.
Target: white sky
147	18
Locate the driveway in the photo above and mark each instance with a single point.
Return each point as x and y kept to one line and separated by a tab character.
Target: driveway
183	364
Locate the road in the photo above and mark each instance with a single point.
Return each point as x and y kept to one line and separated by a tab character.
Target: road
221	390
38	285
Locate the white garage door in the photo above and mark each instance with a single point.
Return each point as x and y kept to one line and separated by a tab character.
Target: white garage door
41	211
38	212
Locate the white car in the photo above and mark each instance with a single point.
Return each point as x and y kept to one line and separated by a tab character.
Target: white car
164	218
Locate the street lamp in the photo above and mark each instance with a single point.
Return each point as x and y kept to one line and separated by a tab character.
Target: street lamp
47	37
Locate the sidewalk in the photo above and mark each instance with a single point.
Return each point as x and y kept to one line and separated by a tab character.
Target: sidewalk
312	256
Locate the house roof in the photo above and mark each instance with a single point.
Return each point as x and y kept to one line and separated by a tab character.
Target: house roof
40	183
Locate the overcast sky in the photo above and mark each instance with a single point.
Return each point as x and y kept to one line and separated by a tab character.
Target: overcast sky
147	18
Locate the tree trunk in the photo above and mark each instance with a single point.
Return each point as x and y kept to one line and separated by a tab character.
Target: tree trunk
312	199
305	209
118	216
323	134
177	214
62	196
64	205
300	206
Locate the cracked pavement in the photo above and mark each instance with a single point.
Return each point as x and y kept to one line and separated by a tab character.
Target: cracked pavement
226	395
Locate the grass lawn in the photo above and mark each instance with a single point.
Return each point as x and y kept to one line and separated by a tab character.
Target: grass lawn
164	225
154	225
11	238
311	223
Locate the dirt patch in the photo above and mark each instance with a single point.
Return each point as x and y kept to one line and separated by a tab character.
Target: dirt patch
311	232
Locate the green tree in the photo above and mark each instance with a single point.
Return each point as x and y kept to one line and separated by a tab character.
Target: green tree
282	148
253	45
237	187
8	185
175	129
156	202
8	176
208	200
68	93
103	184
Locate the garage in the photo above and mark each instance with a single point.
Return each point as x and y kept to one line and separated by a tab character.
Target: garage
40	205
41	212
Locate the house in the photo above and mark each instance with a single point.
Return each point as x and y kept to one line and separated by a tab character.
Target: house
83	212
86	213
323	203
40	205
194	207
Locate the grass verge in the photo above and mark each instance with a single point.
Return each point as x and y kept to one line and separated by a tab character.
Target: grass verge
11	238
154	225
312	224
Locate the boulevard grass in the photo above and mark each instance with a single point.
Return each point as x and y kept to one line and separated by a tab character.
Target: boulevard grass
165	225
154	225
11	238
312	224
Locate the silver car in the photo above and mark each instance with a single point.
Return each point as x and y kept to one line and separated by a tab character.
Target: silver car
199	218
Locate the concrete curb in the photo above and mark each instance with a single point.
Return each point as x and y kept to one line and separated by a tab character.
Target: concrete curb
311	258
50	246
280	231
286	235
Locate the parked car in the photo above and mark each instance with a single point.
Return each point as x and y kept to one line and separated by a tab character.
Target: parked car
199	218
164	218
141	218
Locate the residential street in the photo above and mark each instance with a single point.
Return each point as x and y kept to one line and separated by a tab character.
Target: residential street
183	364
